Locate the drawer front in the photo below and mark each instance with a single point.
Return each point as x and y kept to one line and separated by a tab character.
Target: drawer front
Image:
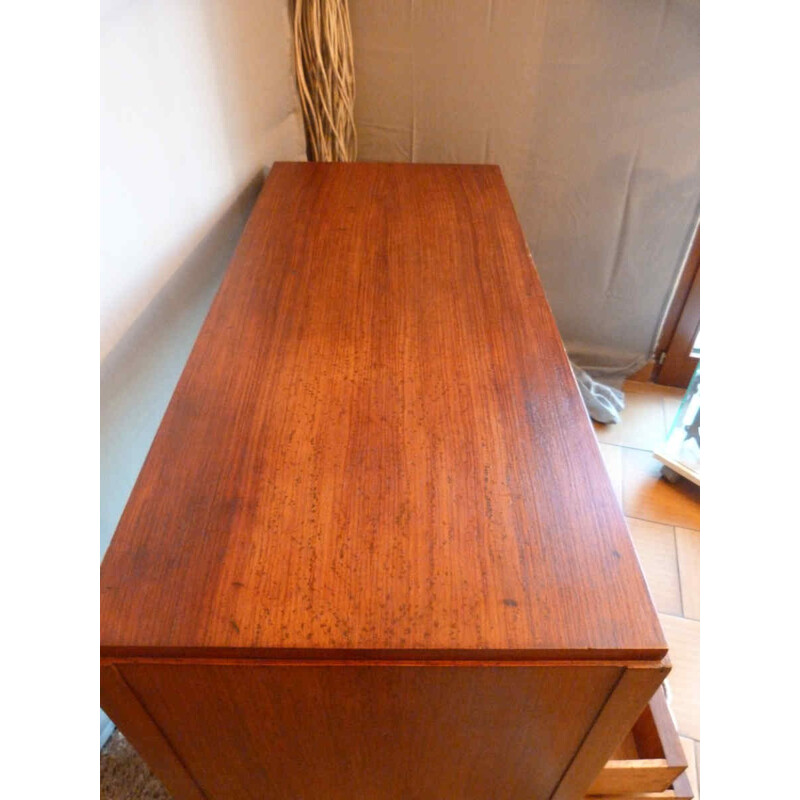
649	761
680	790
344	731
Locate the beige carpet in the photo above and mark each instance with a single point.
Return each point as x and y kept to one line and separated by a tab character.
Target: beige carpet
124	776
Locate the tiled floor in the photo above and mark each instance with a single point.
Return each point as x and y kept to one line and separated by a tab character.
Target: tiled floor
664	521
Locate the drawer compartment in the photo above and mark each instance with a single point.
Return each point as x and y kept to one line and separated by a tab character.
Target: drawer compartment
680	790
649	760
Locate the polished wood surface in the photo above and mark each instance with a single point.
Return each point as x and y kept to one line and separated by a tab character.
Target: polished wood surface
125	708
377	448
341	731
619	713
374	551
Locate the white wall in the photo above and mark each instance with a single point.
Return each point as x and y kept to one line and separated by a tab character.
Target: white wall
590	107
197	96
197	99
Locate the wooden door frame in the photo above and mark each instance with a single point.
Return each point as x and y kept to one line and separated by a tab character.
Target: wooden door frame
674	363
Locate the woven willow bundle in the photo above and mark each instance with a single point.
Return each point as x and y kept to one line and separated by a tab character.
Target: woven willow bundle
323	45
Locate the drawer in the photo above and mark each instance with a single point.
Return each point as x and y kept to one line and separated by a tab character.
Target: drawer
649	763
680	790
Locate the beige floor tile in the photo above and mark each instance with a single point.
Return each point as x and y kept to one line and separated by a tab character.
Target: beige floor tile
642	423
612	455
671	406
646	495
655	546
691	759
688	544
683	638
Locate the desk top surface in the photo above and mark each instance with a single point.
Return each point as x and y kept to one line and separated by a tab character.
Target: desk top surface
377	448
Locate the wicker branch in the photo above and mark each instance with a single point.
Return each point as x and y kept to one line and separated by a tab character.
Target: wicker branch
323	44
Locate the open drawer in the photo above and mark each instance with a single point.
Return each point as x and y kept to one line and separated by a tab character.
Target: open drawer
650	762
681	789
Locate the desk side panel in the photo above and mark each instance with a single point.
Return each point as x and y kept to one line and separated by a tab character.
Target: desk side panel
384	732
636	686
121	704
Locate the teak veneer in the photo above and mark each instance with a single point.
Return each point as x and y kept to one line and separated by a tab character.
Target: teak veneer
373	551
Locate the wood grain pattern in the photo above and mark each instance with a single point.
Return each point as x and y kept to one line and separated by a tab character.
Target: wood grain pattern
377	447
383	732
639	775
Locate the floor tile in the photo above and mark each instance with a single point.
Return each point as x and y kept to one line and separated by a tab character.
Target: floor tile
688	544
612	455
691	759
642	423
671	406
655	546
683	638
646	495
644	387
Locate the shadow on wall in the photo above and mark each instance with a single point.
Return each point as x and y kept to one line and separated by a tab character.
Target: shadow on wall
138	376
195	97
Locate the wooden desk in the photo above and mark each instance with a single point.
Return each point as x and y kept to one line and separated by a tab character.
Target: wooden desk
373	551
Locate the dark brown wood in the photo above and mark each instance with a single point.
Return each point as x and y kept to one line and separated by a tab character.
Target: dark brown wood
681	325
377	447
254	732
